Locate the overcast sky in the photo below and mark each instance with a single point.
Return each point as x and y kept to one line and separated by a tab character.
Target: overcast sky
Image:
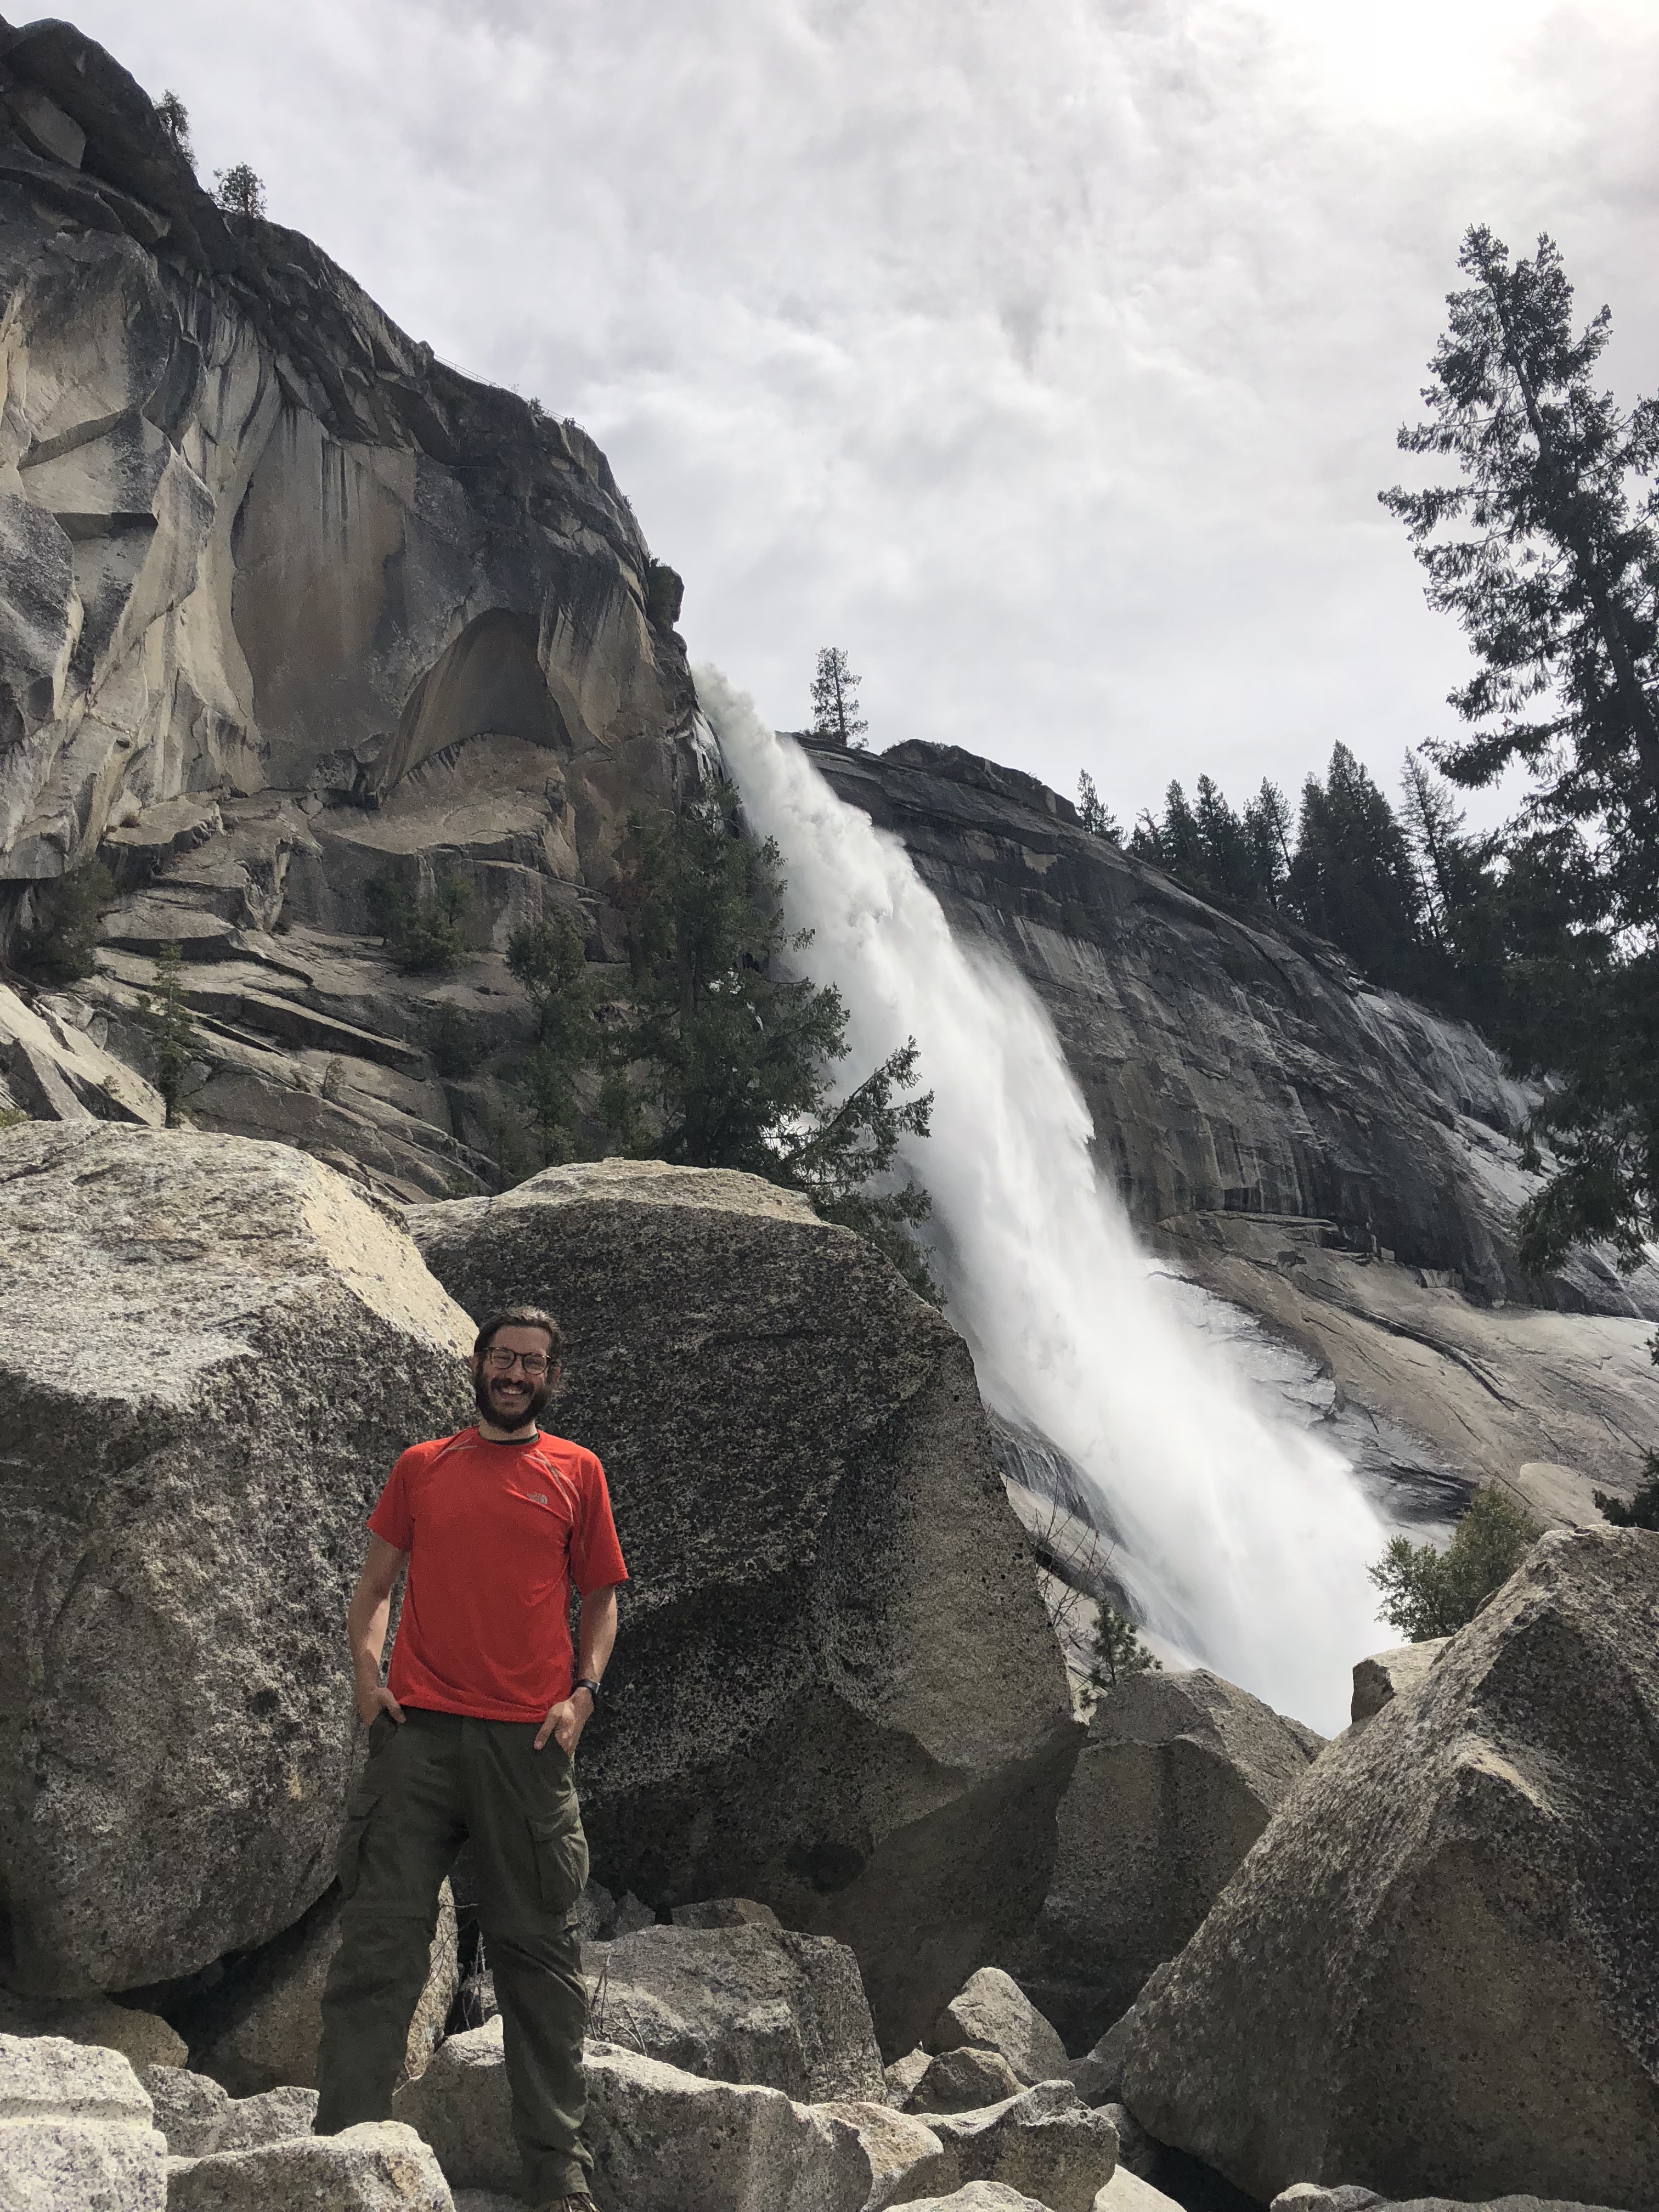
1047	357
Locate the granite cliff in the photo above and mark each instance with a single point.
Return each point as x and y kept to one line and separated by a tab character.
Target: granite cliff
286	604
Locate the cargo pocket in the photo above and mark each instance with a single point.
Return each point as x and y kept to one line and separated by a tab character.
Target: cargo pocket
359	1811
561	1859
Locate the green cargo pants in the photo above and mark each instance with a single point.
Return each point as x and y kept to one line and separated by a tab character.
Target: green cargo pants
430	1785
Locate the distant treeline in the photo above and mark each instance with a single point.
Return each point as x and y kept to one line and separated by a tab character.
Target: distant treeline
1416	900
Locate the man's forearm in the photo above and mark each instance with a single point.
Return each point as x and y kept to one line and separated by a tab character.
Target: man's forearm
598	1638
366	1625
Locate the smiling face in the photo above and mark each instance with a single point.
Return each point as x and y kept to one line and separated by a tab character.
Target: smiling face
511	1395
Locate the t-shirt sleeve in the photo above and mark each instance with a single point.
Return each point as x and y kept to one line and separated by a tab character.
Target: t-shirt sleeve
596	1559
393	1518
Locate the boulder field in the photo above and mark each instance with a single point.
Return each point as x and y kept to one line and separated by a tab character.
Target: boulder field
1419	1963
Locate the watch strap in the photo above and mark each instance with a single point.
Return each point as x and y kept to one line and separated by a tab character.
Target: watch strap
586	1682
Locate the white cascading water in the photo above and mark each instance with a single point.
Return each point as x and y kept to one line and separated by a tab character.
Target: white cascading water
1244	1544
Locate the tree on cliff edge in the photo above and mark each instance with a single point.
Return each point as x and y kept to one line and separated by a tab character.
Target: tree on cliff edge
835	700
1548	553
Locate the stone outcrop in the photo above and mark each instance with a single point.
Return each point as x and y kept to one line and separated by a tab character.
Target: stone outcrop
197	2116
991	2012
286	603
210	1352
1388	1674
1179	1776
740	2003
1437	1972
142	2038
378	2168
1097	2076
962	2080
1044	2143
74	2131
836	1691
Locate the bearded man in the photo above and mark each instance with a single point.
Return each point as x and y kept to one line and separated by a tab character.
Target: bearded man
473	1735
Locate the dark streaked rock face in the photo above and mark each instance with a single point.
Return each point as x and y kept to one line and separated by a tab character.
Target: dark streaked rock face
1438	1970
836	1691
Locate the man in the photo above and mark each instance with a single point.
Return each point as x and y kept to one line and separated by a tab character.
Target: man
473	1735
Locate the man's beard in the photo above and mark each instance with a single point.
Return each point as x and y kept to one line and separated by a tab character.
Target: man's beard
529	1409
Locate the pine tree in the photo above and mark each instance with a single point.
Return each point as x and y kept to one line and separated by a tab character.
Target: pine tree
835	700
723	1059
1426	1593
1352	879
171	1029
1115	1651
174	118
1548	553
1093	812
238	190
550	961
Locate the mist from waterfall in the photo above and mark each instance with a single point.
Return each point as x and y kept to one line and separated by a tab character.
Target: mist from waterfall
1244	1544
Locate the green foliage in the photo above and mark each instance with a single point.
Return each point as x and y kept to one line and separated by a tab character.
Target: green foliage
835	700
1546	552
549	959
238	190
58	948
174	118
1641	1512
13	1117
1427	1593
423	936
1352	879
721	1058
1216	852
1116	1651
1097	817
449	1040
171	1029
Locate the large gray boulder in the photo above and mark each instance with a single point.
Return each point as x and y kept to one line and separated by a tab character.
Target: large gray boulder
836	1691
1045	2142
196	2116
991	2012
377	2167
1178	1778
661	2139
1438	1971
740	2004
210	1352
75	2130
1386	1675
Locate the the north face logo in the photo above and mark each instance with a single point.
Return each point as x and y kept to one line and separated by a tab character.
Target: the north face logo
535	1498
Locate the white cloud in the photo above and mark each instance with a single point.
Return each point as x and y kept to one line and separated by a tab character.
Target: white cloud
1046	357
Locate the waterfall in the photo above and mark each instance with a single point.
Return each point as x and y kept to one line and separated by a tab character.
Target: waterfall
1244	1542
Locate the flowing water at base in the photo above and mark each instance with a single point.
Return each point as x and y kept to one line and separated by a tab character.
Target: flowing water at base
1244	1542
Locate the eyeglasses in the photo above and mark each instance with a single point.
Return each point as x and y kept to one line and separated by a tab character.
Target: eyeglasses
534	1363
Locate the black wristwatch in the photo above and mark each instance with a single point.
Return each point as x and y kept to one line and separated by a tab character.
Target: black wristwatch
592	1688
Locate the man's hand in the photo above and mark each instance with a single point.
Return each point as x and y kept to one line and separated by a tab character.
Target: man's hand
373	1699
566	1722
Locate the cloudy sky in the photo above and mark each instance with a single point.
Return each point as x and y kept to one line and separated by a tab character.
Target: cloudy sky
1046	354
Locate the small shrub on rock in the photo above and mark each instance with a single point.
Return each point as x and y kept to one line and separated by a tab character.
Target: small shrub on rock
1116	1650
449	1040
422	936
1426	1593
60	946
1641	1511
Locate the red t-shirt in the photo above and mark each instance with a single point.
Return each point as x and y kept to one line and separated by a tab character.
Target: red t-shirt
496	1534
